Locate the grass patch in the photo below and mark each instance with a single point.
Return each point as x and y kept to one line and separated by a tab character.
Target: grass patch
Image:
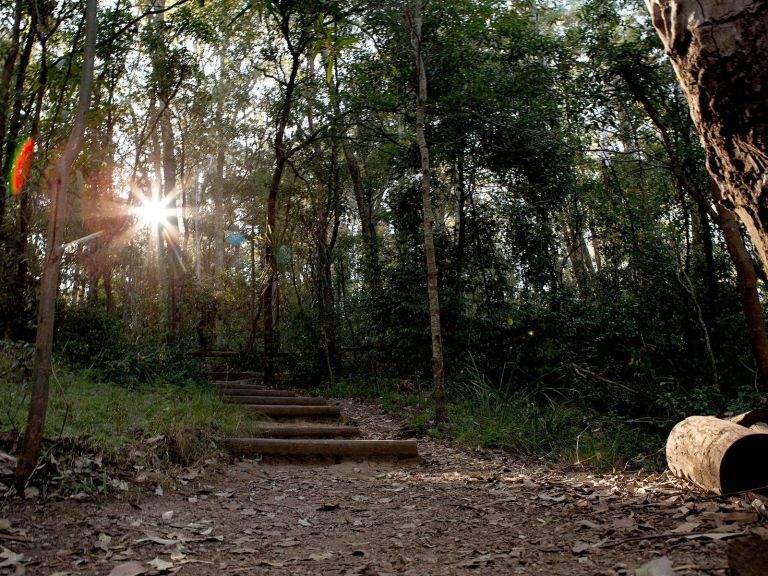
116	420
483	416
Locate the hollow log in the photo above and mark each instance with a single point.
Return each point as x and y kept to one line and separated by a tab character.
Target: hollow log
717	455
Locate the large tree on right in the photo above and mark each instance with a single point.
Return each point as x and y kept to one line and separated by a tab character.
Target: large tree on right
719	49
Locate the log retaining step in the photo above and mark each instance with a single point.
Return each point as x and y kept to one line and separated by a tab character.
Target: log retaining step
287	448
226	391
286	411
307	431
276	400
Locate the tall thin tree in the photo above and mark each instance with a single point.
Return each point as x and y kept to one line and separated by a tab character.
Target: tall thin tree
414	20
57	187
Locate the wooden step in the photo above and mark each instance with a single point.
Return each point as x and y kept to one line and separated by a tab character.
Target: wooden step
283	400
232	375
287	411
287	448
307	430
226	391
244	382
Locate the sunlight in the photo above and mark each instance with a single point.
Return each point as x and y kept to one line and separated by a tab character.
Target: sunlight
154	213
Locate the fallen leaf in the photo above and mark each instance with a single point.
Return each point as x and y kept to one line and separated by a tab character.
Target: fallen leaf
477	561
589	524
167	516
160	564
132	568
31	492
5	525
686	527
581	547
103	542
658	567
321	556
304	522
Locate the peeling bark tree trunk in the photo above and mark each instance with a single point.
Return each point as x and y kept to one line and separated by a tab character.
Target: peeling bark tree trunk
50	281
718	51
438	374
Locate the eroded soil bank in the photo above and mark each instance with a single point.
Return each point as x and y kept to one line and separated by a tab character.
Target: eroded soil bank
457	512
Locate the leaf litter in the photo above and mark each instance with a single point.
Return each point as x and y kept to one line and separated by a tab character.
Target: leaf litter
458	512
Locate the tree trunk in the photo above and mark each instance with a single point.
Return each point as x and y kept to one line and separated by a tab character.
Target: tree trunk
50	281
218	182
5	83
747	281
281	159
438	374
16	120
718	53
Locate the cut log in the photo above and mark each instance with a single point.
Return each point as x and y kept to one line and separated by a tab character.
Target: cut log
718	455
235	392
283	411
283	400
253	447
307	431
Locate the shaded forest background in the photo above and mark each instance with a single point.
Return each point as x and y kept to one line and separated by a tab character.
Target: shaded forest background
592	291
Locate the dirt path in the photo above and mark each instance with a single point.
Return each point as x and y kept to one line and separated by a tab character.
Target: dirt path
458	512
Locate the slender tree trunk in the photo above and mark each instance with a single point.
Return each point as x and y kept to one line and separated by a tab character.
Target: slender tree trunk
281	159
5	83
218	182
171	232
16	119
718	52
50	281
413	16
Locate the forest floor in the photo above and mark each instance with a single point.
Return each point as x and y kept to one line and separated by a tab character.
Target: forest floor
456	512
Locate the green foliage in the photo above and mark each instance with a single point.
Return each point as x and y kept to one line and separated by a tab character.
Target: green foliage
87	338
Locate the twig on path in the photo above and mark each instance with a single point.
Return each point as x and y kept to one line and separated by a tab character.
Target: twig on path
14	538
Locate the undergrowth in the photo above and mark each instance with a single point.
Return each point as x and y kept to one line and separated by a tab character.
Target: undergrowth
481	415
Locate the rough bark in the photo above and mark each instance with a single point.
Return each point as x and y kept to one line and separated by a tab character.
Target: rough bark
57	186
718	52
414	18
746	274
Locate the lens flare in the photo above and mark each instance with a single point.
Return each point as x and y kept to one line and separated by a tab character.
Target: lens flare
22	162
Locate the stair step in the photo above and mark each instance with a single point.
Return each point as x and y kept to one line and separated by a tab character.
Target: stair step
253	447
287	411
277	400
227	391
306	430
233	375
